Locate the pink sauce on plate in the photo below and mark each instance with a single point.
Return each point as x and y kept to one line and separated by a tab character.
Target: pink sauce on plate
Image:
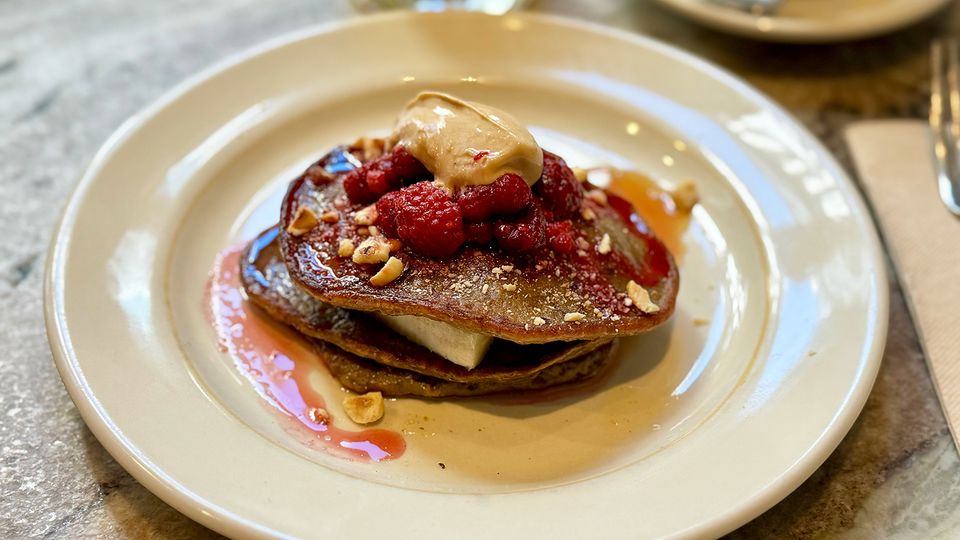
279	362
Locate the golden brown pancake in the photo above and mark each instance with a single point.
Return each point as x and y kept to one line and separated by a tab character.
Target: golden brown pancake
467	289
267	284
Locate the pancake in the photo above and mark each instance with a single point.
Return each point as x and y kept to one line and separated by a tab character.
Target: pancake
467	289
360	375
267	284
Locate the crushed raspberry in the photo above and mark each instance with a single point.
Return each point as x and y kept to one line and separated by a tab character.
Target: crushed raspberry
509	194
524	234
560	236
384	174
558	187
479	155
424	217
479	234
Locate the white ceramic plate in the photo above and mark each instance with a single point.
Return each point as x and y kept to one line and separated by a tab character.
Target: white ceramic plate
706	422
811	21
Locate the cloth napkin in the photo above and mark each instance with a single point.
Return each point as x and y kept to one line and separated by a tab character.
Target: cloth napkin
896	166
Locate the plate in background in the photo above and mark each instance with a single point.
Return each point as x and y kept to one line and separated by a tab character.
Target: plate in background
811	21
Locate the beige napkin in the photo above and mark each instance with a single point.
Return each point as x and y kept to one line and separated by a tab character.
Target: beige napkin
895	162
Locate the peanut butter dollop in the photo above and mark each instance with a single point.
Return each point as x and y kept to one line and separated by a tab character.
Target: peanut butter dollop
465	143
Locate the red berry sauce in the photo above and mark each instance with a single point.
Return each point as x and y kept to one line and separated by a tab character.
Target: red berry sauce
281	364
656	263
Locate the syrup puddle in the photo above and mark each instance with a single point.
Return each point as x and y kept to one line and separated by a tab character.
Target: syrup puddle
281	364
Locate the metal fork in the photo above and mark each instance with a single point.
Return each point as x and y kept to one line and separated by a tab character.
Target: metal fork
755	7
945	119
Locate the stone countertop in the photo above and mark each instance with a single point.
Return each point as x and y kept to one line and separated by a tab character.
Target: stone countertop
72	71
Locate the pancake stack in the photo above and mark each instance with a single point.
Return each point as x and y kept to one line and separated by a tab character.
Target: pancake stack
554	316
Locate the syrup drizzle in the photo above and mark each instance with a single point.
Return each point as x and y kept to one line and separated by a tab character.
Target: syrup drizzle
280	363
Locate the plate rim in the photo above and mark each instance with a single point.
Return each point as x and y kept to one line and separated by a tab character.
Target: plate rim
222	520
798	30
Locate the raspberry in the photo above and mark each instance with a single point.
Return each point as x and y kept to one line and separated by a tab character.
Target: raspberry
526	233
425	218
509	194
558	187
355	184
379	182
387	209
478	234
384	174
560	236
407	167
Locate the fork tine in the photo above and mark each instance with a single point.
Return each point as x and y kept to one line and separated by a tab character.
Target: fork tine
953	91
945	119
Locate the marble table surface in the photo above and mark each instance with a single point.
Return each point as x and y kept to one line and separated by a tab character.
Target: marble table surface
72	71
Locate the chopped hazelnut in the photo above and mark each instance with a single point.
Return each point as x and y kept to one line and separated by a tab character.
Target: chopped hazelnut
303	222
395	245
388	273
364	409
485	288
573	317
641	298
604	246
318	174
597	195
538	321
329	217
372	250
366	216
685	196
579	174
588	214
507	268
346	248
509	287
371	147
373	230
